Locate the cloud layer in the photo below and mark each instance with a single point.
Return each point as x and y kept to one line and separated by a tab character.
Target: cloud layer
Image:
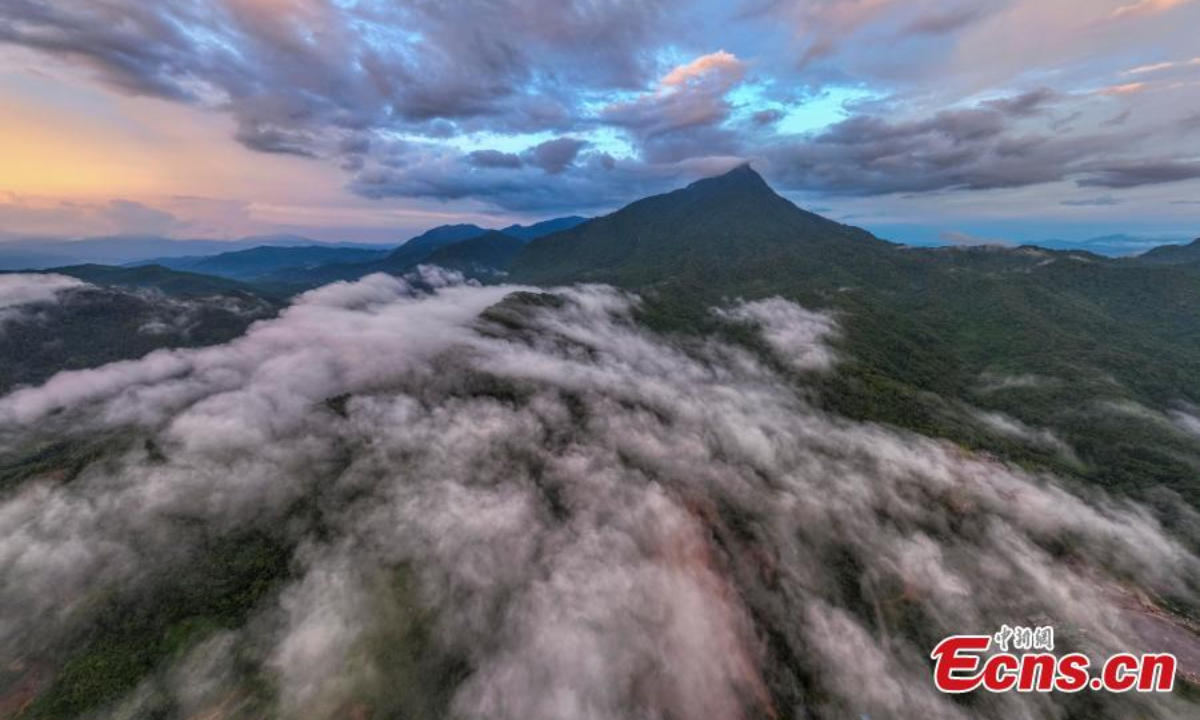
21	292
580	516
544	106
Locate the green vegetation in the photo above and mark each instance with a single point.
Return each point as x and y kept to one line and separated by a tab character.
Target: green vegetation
1170	255
1096	350
1100	352
263	262
169	282
133	636
485	257
89	327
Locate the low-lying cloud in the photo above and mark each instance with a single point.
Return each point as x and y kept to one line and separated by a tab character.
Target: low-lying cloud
575	516
20	292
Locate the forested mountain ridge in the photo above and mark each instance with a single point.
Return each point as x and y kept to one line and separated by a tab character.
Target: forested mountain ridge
1077	336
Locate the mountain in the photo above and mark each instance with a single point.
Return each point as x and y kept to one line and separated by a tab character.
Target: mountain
486	257
265	260
544	228
37	254
120	314
727	230
825	451
156	277
397	262
1071	333
420	247
1171	255
1117	245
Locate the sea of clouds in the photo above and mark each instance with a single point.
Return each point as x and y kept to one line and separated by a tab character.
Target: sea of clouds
580	518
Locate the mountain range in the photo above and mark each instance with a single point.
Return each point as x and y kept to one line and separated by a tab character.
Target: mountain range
923	324
43	253
38	254
709	409
1117	245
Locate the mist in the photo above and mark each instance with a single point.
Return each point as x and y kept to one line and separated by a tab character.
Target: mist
21	293
505	503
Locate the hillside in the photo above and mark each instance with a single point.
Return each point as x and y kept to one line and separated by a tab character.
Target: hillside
397	262
926	329
544	228
266	260
121	315
727	230
486	257
755	445
1171	255
156	277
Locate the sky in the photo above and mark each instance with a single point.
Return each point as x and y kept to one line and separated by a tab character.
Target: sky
924	121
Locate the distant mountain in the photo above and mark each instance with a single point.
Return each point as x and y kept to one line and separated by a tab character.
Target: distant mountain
486	257
263	261
170	282
396	262
1171	254
1110	245
302	254
422	246
544	228
37	254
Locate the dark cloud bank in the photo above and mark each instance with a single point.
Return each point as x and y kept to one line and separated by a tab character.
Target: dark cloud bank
590	520
378	89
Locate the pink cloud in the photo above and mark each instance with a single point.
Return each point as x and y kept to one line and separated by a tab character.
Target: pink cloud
1147	7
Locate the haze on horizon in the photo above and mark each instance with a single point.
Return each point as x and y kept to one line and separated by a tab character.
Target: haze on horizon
958	120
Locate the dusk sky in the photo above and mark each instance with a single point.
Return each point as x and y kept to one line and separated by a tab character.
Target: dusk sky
960	120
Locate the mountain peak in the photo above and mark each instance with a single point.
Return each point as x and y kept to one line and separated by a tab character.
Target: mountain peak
741	178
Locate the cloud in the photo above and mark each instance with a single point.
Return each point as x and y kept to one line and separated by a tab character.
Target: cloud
1119	119
596	181
580	516
957	237
1160	67
1146	7
1010	427
1137	173
373	89
825	27
986	147
269	139
299	76
975	148
936	22
1125	89
1102	201
682	117
555	156
768	117
699	70
133	217
494	159
1025	104
23	218
799	337
20	291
